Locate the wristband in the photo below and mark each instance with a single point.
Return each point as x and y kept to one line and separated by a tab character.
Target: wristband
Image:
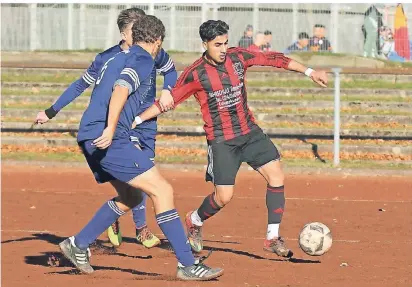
308	72
138	120
50	113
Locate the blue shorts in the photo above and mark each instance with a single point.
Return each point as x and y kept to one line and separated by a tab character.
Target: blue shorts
144	135
122	160
146	145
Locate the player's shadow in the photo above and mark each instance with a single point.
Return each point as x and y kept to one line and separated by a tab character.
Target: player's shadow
254	256
50	238
97	247
56	259
221	241
165	244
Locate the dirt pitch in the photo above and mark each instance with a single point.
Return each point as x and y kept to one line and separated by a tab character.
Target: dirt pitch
42	206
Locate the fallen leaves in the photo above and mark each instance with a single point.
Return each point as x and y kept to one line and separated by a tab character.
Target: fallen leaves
201	152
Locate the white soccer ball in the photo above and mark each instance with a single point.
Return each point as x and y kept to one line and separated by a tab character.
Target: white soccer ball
315	239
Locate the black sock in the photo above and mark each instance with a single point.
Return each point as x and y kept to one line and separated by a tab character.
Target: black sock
208	208
275	203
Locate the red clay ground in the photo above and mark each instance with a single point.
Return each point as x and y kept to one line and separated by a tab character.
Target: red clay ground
41	206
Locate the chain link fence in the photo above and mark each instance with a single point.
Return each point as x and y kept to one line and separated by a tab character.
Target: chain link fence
90	26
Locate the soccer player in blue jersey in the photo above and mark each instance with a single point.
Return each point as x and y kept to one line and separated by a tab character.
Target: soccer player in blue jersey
144	135
122	86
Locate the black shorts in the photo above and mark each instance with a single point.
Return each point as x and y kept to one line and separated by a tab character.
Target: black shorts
225	158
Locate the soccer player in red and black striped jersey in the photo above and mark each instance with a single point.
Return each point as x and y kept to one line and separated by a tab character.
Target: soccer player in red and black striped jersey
217	82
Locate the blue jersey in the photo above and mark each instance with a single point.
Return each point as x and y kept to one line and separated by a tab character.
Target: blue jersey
164	66
134	69
146	131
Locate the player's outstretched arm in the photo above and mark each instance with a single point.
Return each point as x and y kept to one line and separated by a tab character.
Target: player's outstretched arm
150	113
166	101
319	77
117	101
186	85
68	96
279	60
71	93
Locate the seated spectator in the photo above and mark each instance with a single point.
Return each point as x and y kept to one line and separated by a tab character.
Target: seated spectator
259	41
319	43
387	45
247	39
302	44
268	39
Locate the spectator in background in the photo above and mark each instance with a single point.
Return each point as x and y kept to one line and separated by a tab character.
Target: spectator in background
259	41
247	40
302	44
387	45
268	39
319	43
372	24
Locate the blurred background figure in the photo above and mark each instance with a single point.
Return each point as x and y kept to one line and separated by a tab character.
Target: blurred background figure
247	40
259	41
387	45
301	45
319	43
268	39
371	29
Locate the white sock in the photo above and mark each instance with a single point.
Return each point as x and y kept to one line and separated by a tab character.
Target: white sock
273	231
196	220
72	241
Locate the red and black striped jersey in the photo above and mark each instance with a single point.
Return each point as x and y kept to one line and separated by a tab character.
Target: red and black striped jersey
221	92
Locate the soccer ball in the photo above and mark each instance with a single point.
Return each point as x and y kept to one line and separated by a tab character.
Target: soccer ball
315	239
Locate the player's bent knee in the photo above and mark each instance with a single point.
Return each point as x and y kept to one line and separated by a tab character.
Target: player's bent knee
273	173
156	187
163	190
223	195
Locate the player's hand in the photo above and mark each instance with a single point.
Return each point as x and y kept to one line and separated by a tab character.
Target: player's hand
320	78
166	101
41	118
105	140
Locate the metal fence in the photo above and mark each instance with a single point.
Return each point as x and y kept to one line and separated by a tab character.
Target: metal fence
90	26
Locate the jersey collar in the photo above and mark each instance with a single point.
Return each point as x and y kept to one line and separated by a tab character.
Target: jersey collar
137	48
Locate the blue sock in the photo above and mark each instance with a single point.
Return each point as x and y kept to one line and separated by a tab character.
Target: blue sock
139	213
172	228
104	217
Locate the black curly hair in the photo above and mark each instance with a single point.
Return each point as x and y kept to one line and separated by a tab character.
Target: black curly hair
211	29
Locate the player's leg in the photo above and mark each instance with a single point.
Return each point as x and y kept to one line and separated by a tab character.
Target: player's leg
224	160
161	193
128	164
76	247
127	198
261	154
144	235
